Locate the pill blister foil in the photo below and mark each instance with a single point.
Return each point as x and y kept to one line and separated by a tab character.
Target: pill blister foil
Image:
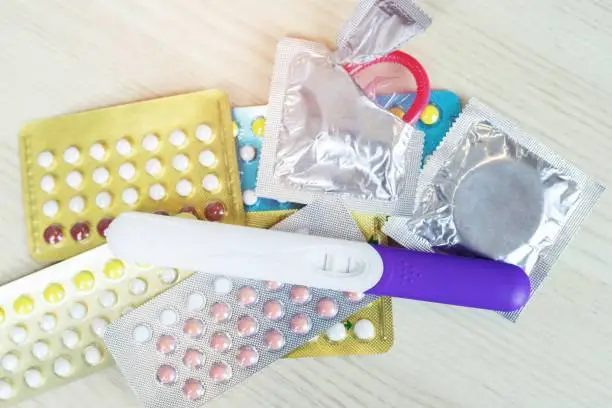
324	136
146	369
52	321
492	190
81	170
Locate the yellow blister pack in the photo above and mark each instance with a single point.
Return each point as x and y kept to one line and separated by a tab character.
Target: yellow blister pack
369	331
168	155
52	321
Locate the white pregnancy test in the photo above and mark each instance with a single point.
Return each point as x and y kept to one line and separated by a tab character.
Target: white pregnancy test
318	262
244	252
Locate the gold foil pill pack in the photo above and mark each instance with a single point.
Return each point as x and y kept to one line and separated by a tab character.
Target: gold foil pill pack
168	155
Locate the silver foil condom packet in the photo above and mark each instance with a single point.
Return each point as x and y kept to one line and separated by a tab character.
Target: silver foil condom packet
209	333
492	190
324	136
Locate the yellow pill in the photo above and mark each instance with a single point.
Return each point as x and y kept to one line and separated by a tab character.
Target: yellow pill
114	269
84	281
258	126
2	315
397	111
54	293
235	128
430	115
23	305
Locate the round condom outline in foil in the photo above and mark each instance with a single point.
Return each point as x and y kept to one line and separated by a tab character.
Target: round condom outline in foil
498	206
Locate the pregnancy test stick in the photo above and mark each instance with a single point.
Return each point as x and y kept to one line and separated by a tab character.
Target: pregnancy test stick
319	262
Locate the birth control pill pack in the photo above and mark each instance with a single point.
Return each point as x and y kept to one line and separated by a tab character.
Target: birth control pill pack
249	124
52	321
209	333
166	155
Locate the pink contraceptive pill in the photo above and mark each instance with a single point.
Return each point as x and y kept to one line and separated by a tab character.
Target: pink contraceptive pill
246	326
247	295
220	372
273	310
166	375
300	295
247	356
166	344
194	359
300	324
327	308
220	342
220	312
193	328
193	389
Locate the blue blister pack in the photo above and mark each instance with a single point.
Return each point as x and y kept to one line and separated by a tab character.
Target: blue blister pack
436	119
249	124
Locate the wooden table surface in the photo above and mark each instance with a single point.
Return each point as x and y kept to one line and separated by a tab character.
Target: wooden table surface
546	63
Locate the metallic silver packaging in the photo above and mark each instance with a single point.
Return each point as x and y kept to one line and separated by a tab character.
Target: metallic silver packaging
492	190
159	364
324	136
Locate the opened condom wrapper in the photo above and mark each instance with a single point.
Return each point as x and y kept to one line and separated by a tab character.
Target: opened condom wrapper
325	136
492	190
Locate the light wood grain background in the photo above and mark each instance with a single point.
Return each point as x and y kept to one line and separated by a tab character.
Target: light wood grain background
546	63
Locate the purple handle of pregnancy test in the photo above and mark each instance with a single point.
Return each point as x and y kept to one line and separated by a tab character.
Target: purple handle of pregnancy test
451	280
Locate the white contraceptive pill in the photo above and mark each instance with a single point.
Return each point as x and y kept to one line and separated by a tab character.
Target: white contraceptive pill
210	182
138	286
157	192
50	208
9	362
40	350
127	171
180	162
364	330
153	167
207	158
204	133
184	188
45	159
92	355
150	142
72	155
178	138
48	322
249	197
77	204
101	175
47	183
104	199
62	367
74	179
70	338
78	311
33	378
124	147
130	196
97	151
248	153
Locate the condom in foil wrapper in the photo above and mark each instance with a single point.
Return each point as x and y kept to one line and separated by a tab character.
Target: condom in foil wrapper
325	136
208	333
492	190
